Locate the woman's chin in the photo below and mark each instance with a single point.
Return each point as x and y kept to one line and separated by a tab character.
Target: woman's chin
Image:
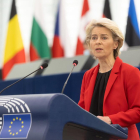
99	56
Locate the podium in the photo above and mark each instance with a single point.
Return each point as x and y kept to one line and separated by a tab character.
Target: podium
51	117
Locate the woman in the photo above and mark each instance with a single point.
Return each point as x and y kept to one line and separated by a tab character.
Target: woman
110	90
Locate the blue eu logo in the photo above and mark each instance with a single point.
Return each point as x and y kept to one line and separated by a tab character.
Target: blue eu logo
16	122
16	126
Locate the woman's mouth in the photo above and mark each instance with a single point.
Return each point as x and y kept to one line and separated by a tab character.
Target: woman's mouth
98	49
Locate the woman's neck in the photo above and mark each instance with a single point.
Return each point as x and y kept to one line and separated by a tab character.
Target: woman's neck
106	65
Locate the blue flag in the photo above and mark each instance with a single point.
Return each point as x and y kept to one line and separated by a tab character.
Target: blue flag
16	125
132	36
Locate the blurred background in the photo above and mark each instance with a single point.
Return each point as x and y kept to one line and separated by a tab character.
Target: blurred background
62	24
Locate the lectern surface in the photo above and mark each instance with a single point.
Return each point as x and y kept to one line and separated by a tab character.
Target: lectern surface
50	117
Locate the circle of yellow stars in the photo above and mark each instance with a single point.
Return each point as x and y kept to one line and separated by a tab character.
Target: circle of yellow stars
12	122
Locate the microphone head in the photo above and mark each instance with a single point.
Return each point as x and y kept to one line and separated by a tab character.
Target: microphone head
43	66
75	62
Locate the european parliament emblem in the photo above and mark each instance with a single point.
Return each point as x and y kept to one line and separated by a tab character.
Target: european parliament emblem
16	123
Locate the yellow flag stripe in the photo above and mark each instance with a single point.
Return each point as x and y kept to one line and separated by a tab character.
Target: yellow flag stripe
14	42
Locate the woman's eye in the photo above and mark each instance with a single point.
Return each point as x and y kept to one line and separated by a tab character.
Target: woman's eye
93	38
104	38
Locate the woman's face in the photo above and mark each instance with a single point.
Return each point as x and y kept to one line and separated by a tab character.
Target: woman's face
102	43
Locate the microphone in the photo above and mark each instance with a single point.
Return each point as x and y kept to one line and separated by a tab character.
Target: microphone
75	63
43	66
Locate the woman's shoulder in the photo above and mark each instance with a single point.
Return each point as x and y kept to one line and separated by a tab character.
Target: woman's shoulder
130	71
128	67
124	66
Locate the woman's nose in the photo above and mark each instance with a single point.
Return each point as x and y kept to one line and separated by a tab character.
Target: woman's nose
98	40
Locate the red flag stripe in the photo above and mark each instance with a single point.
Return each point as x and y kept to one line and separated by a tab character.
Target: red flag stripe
33	53
57	50
18	58
85	7
80	48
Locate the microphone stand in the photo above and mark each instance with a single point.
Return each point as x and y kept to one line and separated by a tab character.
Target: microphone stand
67	80
19	80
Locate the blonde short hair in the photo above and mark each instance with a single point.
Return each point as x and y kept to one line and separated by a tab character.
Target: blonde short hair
109	24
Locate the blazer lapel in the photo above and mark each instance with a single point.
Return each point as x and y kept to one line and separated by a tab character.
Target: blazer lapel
113	76
91	86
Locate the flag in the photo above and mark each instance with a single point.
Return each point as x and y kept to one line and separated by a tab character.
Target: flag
85	19
61	42
106	11
14	50
57	49
132	36
39	47
15	126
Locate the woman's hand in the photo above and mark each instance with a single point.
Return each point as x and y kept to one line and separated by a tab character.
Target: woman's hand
105	119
